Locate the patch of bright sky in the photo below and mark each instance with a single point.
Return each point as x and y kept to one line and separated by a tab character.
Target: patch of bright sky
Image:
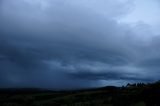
147	11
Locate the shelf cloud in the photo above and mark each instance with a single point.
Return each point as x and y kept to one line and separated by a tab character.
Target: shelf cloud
76	44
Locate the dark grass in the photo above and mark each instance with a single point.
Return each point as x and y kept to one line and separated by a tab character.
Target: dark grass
131	95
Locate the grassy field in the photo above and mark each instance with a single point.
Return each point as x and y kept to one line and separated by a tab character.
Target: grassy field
130	95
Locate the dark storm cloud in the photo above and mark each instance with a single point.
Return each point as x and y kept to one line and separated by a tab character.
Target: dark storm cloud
71	44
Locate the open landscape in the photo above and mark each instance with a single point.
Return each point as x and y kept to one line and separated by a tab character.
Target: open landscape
131	95
79	52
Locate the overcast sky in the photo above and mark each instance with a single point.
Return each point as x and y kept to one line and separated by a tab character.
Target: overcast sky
69	44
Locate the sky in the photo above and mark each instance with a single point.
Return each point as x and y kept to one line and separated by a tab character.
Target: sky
73	44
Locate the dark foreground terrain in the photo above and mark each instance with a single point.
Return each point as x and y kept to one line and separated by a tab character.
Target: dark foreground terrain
131	95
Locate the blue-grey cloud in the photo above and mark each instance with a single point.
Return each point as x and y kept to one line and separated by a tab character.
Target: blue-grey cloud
73	44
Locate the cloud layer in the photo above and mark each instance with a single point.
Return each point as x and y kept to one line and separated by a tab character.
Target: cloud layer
74	44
